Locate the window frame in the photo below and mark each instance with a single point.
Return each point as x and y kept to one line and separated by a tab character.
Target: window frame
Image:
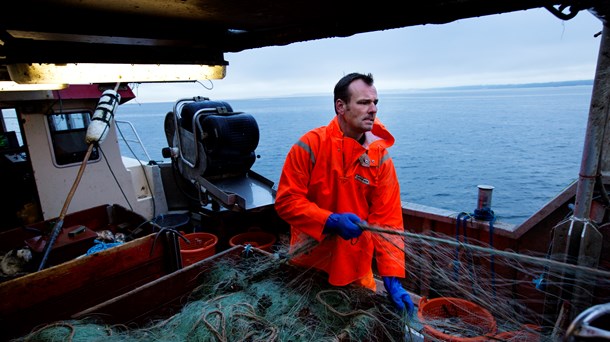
65	137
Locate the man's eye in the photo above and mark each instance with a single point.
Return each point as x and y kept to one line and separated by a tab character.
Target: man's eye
368	102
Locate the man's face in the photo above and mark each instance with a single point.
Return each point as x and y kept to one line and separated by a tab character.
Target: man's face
359	113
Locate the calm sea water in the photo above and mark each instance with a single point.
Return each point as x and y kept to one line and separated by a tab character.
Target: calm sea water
526	142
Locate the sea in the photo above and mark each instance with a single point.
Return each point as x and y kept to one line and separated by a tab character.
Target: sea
526	142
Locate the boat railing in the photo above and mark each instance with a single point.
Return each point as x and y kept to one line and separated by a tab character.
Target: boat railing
134	138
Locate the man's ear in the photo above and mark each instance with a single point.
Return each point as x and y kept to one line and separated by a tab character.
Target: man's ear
340	106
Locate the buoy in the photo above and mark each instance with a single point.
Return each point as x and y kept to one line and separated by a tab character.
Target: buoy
100	122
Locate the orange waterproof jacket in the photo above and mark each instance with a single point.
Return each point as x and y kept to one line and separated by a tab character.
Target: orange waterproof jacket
326	172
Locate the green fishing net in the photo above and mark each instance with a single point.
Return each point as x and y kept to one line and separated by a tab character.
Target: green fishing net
254	298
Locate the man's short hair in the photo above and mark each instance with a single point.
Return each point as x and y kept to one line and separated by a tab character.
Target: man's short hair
342	87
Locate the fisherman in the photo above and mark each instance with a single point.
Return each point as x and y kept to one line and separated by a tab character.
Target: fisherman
337	177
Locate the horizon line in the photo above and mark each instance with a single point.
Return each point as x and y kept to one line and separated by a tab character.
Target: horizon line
463	87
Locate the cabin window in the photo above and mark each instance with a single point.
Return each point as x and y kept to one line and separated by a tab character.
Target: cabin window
10	133
68	132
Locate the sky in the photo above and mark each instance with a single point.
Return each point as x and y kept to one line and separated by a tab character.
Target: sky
530	46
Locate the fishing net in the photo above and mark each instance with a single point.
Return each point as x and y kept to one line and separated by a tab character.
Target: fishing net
488	294
498	285
255	298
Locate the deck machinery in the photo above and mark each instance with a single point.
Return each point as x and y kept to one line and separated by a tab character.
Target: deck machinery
213	148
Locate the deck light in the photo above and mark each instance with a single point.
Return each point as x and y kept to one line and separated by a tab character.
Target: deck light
83	73
6	84
13	86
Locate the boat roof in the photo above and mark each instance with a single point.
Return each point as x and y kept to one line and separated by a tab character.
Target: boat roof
201	31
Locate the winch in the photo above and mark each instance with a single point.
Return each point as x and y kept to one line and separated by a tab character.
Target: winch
213	147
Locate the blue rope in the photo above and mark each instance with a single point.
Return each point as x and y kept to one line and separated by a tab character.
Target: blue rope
456	261
100	246
247	249
486	214
469	254
540	282
462	219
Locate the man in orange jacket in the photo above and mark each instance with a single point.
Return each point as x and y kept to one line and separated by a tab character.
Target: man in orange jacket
337	176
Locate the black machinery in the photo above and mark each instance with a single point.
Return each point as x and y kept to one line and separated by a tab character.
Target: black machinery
213	148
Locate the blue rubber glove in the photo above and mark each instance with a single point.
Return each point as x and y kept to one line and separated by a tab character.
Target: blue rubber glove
400	297
344	225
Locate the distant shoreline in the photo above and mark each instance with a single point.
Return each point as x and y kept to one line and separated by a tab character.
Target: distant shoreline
522	85
466	87
471	87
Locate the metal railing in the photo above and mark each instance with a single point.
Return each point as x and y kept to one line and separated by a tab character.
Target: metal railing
136	138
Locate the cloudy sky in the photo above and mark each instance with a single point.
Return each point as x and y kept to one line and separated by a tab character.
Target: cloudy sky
522	47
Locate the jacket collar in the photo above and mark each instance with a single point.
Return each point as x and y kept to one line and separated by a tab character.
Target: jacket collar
378	135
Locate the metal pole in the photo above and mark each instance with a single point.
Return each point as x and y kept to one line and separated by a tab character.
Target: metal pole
598	115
